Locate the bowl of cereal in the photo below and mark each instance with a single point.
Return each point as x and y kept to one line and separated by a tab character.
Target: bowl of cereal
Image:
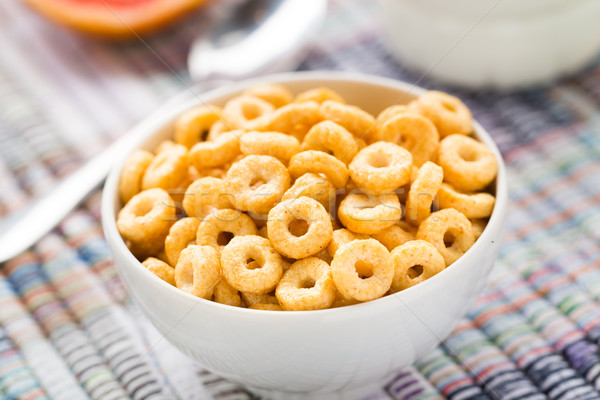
307	234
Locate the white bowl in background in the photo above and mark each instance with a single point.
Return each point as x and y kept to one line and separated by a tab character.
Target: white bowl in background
331	353
503	44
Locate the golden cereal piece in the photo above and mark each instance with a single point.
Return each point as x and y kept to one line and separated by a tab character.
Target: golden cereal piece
161	269
390	112
225	294
422	192
168	169
359	122
194	124
381	167
448	113
218	152
246	112
206	194
415	262
266	307
319	95
135	166
258	182
164	145
307	285
198	271
449	231
362	270
309	239
251	299
162	256
473	205
181	234
220	226
236	260
277	95
313	186
216	130
262	232
319	162
468	164
478	226
396	235
369	214
329	137
294	119
145	221
275	144
341	237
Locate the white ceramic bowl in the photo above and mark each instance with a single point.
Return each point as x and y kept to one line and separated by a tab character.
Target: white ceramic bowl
319	353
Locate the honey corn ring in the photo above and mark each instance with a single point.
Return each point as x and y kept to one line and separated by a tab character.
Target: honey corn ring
218	152
468	164
318	232
413	132
362	270
266	307
198	271
275	144
205	194
329	137
357	121
369	214
216	130
246	112
181	234
313	186
294	119
415	262
473	205
217	229
422	192
449	231
391	112
448	113
258	183
277	95
167	169
396	235
381	167
145	220
306	285
319	162
161	269
225	294
319	95
263	276
251	299
194	124
341	237
135	166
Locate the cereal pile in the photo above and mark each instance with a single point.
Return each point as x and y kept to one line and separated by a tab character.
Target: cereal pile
277	202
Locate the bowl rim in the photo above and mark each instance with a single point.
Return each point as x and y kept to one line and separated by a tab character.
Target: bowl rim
153	123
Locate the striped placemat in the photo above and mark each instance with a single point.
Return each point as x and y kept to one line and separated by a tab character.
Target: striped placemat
67	330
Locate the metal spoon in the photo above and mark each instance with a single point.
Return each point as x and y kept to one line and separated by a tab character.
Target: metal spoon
261	36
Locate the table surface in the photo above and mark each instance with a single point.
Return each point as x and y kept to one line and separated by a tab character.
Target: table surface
67	330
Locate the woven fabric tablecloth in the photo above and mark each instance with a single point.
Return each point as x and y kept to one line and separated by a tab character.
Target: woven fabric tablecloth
68	332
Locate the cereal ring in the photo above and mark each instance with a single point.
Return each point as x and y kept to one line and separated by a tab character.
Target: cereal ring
341	237
449	231
473	205
167	169
478	226
422	192
164	145
258	183
294	119
313	186
415	262
448	113
213	154
262	232
216	130
319	162
198	271
220	226
263	276
162	256
391	112
205	194
246	112
415	133
381	167
369	214
193	125
181	234
359	122
468	164
307	285
275	144
329	137
266	307
341	301
145	220
225	294
320	95
303	244
161	269
396	235
362	270
278	95
251	299
135	166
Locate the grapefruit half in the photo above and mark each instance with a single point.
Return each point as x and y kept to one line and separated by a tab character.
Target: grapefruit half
117	19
